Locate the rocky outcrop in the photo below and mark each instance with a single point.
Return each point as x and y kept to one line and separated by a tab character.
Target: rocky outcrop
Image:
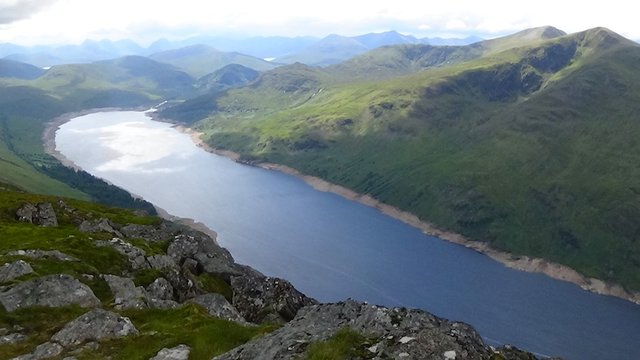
95	325
264	299
160	289
12	271
48	291
384	333
100	225
39	214
212	258
216	305
180	352
387	333
127	295
164	231
137	257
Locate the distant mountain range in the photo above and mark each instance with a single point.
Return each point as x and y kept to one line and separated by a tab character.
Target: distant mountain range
308	49
334	49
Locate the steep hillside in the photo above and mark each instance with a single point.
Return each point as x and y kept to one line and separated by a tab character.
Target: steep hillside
524	142
200	60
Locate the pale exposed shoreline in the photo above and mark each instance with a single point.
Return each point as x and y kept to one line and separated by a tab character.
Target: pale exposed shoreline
523	263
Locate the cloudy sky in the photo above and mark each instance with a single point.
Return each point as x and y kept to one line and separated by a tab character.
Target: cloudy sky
72	21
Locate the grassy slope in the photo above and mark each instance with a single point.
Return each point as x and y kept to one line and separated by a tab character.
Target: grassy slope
532	149
206	335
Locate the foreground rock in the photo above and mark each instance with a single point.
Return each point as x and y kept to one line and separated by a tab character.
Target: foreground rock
12	271
216	305
95	325
48	291
387	333
193	263
263	299
39	214
180	352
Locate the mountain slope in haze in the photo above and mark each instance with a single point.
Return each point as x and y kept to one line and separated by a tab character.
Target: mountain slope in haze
88	51
132	79
335	49
18	70
525	142
332	49
199	60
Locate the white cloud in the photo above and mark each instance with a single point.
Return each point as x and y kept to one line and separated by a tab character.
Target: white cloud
146	20
14	10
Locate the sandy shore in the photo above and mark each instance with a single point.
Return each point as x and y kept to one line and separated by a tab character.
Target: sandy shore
522	263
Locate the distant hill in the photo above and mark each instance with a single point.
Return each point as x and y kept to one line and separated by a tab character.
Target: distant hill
230	76
335	49
199	60
18	70
129	79
261	47
525	142
374	40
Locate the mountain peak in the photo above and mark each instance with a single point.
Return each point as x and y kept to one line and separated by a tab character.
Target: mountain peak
542	32
601	37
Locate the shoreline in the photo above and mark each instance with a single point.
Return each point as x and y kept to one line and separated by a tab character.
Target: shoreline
521	263
49	145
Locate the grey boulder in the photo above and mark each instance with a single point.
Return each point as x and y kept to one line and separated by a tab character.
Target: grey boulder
48	291
39	214
180	352
96	325
216	305
12	271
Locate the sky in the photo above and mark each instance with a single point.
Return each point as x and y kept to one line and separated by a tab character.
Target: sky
30	22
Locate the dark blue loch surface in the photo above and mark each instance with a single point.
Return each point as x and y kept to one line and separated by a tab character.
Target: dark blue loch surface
332	248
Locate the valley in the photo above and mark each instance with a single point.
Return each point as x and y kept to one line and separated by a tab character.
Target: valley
522	148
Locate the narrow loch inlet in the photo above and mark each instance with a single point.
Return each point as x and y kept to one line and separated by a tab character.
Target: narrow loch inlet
332	248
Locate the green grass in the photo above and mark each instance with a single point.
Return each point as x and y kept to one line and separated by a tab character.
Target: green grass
532	149
39	325
189	325
343	345
66	237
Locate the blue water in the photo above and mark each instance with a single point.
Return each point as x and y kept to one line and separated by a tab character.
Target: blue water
332	248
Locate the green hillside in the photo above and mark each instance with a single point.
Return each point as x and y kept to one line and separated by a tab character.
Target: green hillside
528	142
